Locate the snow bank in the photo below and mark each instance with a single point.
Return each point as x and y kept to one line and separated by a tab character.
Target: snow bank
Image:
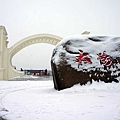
37	100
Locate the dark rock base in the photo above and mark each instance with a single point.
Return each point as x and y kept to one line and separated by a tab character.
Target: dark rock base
65	77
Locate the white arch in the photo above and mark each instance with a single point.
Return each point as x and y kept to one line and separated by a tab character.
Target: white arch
39	38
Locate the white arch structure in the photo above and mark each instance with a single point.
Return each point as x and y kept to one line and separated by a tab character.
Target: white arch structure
7	71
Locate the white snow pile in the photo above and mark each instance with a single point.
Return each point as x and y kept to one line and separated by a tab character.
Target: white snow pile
89	44
37	100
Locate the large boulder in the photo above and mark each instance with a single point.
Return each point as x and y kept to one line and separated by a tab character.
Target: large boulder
80	59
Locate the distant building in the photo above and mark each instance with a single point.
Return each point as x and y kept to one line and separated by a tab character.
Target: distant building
37	72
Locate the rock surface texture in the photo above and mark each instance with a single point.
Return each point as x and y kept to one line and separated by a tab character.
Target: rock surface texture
80	59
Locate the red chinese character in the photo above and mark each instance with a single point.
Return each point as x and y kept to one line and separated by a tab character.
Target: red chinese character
105	59
83	57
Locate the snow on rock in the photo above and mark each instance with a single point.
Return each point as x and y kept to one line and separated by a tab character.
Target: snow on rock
87	58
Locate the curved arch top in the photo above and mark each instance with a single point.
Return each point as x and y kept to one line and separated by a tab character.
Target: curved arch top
39	38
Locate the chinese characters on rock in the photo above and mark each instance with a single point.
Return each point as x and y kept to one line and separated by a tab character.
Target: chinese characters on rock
103	57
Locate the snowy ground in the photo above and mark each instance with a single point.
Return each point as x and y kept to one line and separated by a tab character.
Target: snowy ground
38	100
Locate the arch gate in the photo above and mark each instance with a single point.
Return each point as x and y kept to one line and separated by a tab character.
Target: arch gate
7	71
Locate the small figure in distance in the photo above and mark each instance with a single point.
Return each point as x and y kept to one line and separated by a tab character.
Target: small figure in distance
21	69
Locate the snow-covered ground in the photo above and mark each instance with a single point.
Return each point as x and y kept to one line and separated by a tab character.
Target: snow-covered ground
38	100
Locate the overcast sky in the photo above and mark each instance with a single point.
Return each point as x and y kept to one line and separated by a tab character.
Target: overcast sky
23	18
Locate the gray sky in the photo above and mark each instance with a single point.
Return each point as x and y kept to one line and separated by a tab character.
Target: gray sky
23	18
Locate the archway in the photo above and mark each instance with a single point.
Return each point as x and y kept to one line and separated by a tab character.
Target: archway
35	56
39	38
